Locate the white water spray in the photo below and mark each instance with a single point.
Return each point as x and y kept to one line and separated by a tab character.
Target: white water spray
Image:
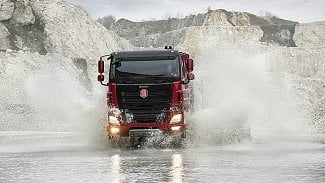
239	85
235	83
241	82
53	99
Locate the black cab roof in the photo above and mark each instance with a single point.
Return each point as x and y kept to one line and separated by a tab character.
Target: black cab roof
145	53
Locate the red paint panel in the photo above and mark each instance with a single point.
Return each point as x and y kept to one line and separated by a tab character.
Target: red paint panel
176	100
112	95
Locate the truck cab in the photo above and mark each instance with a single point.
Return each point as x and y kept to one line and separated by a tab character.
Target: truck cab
148	92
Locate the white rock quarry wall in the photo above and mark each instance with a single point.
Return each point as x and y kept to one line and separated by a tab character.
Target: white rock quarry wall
222	37
71	32
7	9
55	26
310	35
171	32
223	18
48	66
4	33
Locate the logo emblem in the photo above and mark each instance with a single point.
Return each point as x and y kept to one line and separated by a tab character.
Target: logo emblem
144	93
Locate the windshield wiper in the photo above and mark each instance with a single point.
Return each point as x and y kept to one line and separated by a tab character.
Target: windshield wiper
143	79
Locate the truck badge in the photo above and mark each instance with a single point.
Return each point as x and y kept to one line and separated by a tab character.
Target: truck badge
144	93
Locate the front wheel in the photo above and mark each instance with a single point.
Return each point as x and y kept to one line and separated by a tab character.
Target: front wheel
135	143
184	135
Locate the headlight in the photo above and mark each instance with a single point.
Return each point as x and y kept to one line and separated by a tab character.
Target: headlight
176	119
113	120
175	128
114	130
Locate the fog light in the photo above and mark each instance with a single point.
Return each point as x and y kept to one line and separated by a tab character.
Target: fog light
175	128
114	130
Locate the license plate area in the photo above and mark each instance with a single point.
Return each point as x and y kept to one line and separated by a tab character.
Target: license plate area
144	132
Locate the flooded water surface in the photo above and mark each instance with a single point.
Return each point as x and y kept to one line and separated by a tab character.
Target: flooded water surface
50	160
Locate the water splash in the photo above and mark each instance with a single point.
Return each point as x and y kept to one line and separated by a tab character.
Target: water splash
52	98
236	88
239	84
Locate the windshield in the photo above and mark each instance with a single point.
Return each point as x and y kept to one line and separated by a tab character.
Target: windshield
145	69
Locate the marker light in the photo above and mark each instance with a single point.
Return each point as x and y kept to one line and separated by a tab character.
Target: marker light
176	119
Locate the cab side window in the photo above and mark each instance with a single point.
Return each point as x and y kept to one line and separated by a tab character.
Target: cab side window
183	71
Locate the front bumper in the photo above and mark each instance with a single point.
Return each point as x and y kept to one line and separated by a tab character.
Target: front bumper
145	129
145	132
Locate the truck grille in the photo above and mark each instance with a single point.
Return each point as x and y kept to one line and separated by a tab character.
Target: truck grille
154	108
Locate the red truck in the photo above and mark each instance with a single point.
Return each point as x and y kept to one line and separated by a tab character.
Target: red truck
149	93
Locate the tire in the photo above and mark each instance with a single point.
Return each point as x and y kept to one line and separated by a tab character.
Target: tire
184	135
134	143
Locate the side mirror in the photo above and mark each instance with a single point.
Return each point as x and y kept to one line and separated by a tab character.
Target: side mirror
100	78
190	65
101	66
190	76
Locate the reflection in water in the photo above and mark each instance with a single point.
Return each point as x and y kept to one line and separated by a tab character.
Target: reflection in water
177	168
115	168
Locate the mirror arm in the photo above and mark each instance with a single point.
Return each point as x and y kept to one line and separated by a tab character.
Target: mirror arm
188	81
103	83
109	56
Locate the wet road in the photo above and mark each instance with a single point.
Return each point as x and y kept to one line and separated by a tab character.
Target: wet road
51	157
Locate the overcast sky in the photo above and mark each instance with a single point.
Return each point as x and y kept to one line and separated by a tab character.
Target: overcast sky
137	10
